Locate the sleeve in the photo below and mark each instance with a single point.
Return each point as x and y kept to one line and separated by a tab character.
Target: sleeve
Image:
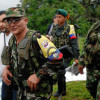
73	42
82	59
54	56
75	48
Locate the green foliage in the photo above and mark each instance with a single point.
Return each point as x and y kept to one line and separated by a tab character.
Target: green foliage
75	91
84	26
93	8
97	10
81	41
41	12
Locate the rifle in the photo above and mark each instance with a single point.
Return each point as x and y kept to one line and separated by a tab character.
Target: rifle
66	51
68	54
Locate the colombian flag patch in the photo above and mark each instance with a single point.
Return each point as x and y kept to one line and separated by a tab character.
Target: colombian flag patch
72	32
72	36
57	55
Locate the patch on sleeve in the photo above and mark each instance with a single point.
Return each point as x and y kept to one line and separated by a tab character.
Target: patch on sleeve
48	48
72	32
57	55
45	44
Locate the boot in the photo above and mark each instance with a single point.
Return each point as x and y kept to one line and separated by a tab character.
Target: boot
57	93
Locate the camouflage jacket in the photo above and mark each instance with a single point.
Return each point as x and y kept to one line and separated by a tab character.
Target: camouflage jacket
91	52
61	37
28	61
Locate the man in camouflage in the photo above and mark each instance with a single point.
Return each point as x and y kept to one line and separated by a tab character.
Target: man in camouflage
64	34
90	58
26	59
5	35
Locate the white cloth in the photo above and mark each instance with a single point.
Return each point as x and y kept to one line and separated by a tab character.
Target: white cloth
1	48
80	77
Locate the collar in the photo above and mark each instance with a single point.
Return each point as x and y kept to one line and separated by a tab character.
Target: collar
64	25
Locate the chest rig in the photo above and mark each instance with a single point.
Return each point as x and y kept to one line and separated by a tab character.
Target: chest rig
27	59
92	46
61	35
24	56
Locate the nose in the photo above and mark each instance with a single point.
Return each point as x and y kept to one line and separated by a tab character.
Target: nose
11	24
57	19
0	24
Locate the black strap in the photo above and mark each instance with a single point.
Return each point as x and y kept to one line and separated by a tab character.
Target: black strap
4	39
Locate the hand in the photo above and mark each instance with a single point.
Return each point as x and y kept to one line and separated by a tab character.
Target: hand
5	75
33	80
80	68
49	37
76	62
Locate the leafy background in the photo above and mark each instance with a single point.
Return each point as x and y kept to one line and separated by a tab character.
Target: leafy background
82	12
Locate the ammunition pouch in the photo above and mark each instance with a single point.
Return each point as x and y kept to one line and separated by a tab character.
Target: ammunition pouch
43	88
92	49
23	49
89	54
5	56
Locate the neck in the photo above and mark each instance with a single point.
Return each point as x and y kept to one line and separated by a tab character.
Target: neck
19	37
61	24
7	33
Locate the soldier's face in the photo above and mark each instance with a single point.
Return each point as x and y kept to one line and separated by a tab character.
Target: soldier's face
3	26
60	19
17	25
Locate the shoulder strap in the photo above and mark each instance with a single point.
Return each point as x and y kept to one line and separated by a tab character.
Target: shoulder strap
11	40
30	34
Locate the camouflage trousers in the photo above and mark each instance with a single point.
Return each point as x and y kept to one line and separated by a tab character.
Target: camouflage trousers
24	95
32	98
93	83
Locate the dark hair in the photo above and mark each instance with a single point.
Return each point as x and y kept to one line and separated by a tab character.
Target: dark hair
2	12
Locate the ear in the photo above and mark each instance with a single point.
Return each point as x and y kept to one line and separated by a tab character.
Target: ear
26	20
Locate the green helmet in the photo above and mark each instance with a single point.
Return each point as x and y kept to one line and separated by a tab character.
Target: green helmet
14	12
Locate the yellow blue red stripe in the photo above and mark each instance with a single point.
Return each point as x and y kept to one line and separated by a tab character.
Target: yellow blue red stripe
57	55
72	36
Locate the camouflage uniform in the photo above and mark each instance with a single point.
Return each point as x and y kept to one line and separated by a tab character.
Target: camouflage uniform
27	59
91	59
61	37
